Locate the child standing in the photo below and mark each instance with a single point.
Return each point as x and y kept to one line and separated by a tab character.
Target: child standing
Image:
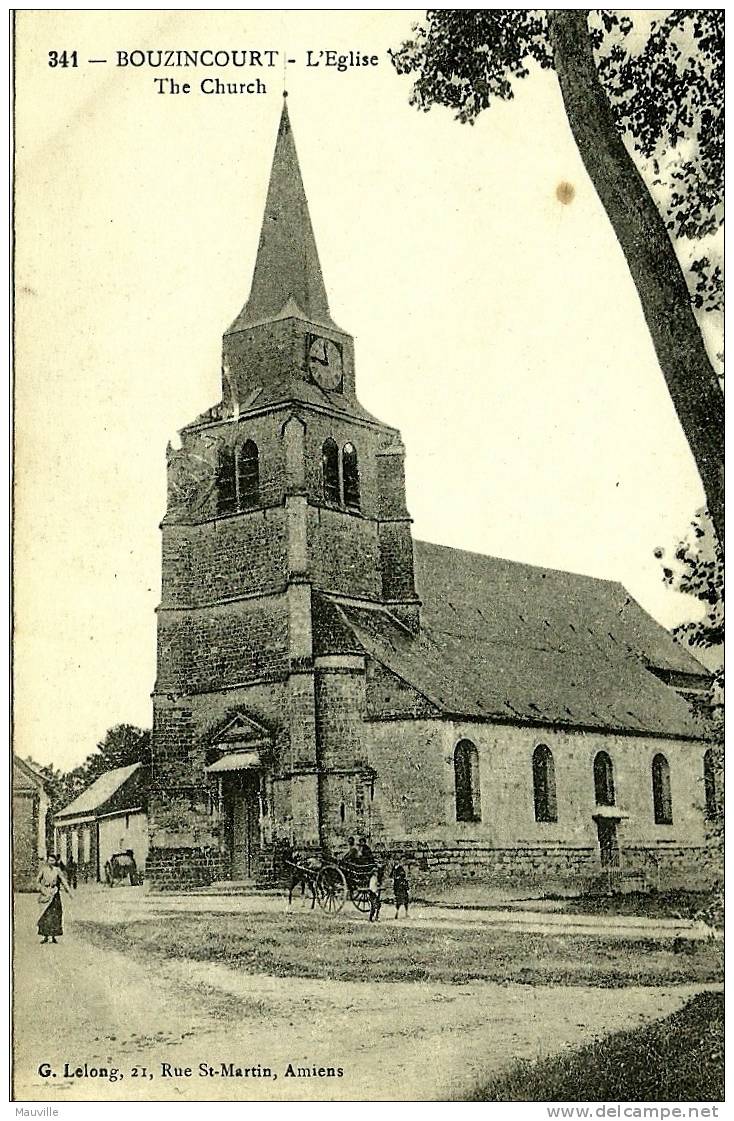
375	891
400	888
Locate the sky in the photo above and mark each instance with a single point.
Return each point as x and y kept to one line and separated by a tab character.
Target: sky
495	325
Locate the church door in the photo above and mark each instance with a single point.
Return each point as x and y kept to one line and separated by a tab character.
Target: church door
244	817
609	849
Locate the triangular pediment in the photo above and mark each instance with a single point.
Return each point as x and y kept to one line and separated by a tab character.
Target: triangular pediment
241	730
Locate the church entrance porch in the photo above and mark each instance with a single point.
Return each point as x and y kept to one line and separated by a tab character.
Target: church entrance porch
241	794
239	778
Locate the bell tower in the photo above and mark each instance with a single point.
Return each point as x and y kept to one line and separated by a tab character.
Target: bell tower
284	496
285	332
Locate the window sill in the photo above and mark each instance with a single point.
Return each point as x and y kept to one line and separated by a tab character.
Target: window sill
341	509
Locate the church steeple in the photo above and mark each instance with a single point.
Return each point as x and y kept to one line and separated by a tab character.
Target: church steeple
287	279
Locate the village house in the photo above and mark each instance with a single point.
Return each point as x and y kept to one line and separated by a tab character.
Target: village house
110	816
322	674
30	810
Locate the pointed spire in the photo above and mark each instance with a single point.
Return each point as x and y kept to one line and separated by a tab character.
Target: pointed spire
287	273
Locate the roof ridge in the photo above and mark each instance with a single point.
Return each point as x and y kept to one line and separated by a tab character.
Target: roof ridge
526	564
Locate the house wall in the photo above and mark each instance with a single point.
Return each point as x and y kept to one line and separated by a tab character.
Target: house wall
30	808
25	839
78	839
415	803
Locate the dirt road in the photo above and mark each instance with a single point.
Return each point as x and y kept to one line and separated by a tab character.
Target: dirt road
77	1004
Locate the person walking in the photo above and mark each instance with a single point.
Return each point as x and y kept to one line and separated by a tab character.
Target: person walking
51	881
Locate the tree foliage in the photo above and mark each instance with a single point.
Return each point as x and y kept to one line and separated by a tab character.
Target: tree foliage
664	77
122	745
696	569
667	97
643	92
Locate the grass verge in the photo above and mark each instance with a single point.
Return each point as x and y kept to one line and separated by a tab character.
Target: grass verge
668	904
341	949
677	1059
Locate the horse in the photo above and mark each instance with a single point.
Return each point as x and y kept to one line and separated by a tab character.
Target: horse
303	875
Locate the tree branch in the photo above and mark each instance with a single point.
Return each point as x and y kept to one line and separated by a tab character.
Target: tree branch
640	229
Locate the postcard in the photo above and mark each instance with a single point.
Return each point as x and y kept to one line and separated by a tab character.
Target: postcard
368	510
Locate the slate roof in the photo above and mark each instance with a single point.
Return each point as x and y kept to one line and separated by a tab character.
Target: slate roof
27	777
106	794
293	390
510	641
287	265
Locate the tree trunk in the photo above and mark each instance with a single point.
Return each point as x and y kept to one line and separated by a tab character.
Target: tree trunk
641	232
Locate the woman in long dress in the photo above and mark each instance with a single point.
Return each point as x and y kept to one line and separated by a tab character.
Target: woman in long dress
51	881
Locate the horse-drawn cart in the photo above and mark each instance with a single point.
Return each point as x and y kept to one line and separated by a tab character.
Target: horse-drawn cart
121	866
331	884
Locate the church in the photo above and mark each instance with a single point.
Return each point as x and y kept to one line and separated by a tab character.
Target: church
321	674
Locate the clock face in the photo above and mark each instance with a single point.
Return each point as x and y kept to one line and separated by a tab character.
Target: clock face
325	364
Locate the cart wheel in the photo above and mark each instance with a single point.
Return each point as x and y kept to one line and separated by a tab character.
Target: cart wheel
361	899
331	889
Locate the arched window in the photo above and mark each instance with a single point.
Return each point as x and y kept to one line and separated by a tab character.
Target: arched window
661	799
710	785
226	484
466	779
544	784
350	475
603	779
330	468
248	475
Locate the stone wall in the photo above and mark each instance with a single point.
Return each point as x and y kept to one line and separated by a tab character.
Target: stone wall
176	869
549	869
415	802
240	554
537	865
343	552
222	646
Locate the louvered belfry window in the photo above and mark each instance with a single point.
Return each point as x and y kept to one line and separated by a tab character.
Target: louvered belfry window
248	475
330	470
350	476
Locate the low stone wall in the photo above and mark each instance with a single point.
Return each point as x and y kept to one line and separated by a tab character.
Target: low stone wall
537	866
552	867
176	869
668	867
545	868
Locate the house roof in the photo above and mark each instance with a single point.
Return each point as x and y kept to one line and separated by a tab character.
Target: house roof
511	641
28	776
101	795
